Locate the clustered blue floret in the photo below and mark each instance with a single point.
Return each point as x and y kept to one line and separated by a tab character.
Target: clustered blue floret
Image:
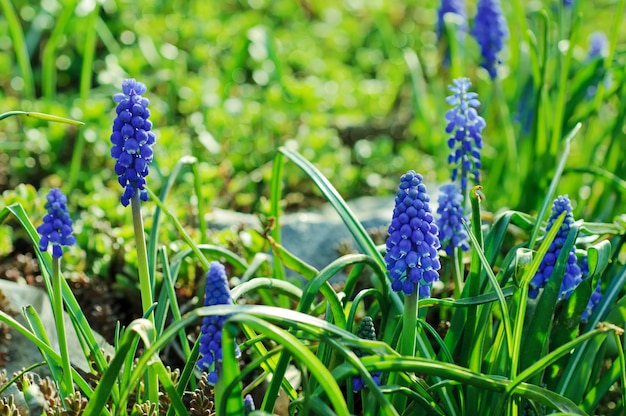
412	244
594	300
452	234
573	274
467	140
56	229
367	331
132	140
490	31
451	6
217	293
248	404
598	45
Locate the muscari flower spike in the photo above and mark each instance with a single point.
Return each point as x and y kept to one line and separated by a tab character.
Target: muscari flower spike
132	140
490	31
217	293
573	274
412	244
452	234
466	127
56	229
598	45
248	404
451	6
365	330
594	300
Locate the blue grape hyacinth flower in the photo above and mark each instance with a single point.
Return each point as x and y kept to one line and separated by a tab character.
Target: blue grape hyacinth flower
367	331
412	258
248	405
132	140
56	229
598	46
594	300
216	293
573	274
490	31
456	7
465	127
452	234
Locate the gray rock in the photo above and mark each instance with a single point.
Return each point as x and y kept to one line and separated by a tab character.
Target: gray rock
22	352
314	235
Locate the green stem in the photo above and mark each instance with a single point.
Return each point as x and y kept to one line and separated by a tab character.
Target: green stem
145	288
201	258
407	338
20	47
59	321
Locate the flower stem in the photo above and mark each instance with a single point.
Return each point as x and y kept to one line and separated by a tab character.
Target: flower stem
145	287
407	339
59	321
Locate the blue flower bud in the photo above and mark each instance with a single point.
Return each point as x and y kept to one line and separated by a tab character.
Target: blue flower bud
594	300
490	30
466	127
132	140
452	234
573	275
248	404
217	292
412	244
56	229
367	331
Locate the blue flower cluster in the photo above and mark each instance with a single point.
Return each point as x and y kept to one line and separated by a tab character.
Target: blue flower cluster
573	274
217	293
248	405
132	140
467	125
598	45
452	234
490	31
57	225
412	244
365	330
451	6
594	300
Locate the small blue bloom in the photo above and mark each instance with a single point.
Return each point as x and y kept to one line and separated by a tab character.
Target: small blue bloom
598	45
248	405
365	330
568	3
490	30
594	300
412	244
132	140
573	274
452	234
465	127
217	293
451	6
57	225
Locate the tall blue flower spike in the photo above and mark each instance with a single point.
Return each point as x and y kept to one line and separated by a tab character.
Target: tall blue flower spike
56	229
132	140
573	274
451	6
490	31
367	331
217	293
465	127
598	45
452	234
594	300
248	405
412	244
